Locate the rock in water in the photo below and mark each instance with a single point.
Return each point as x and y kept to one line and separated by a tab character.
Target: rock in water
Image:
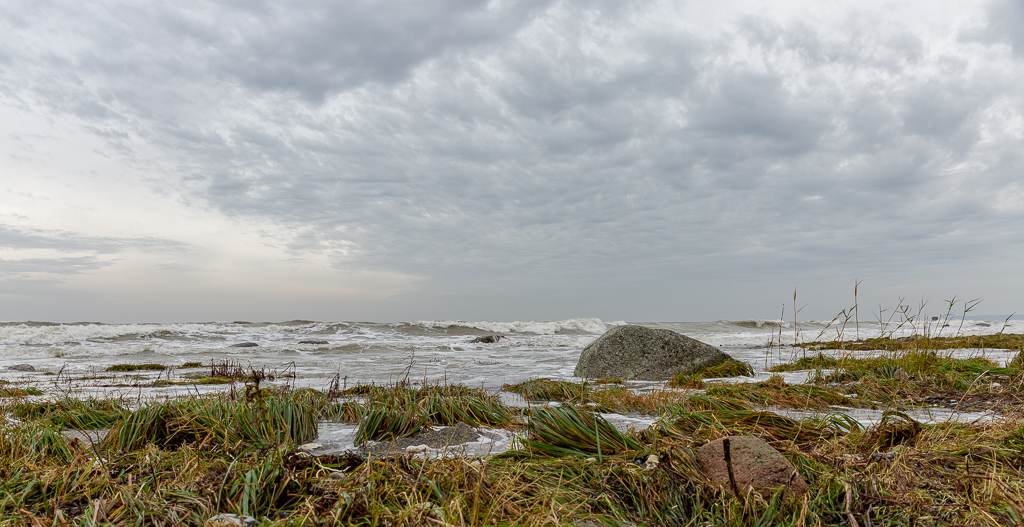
755	464
642	353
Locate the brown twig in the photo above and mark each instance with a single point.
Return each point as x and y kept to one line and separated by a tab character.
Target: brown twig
728	466
848	505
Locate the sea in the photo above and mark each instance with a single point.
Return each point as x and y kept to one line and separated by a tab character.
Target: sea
314	354
63	360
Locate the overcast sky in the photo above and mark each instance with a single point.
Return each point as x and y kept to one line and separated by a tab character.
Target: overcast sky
534	160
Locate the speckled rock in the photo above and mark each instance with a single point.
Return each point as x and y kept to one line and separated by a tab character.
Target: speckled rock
641	353
755	464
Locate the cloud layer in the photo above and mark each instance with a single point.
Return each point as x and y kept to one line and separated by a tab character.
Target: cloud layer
536	160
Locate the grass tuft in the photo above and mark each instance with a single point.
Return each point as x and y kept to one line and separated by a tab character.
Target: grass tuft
136	367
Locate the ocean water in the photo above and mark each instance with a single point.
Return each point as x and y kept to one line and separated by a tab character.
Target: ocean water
421	351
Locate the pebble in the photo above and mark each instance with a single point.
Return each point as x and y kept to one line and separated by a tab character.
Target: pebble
230	520
652	462
309	447
417	449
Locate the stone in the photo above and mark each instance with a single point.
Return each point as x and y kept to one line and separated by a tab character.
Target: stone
22	367
652	462
434	439
755	465
244	345
313	342
488	339
640	353
230	520
309	447
417	449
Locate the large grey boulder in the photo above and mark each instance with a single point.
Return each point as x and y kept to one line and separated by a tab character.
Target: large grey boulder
642	353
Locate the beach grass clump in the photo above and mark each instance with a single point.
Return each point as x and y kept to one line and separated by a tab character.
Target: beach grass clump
35	443
193	364
70	413
16	391
221	421
778	393
774	428
439	404
380	423
819	361
729	368
568	430
549	390
136	367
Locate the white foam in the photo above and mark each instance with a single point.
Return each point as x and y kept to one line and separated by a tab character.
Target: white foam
588	325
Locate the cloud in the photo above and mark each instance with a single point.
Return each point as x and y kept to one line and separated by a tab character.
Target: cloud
29	238
59	266
548	148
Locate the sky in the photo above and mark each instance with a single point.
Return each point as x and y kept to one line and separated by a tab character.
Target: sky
496	160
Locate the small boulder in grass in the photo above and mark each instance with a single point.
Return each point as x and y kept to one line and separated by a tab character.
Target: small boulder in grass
755	465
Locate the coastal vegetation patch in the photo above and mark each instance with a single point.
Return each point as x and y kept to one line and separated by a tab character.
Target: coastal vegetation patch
136	367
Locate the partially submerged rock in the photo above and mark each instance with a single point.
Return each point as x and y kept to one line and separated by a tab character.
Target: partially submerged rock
755	465
244	345
433	439
487	339
641	353
22	367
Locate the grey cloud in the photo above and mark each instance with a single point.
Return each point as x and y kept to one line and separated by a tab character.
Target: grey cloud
58	266
543	145
1004	24
21	238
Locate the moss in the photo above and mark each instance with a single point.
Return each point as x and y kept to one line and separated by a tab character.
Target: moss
191	365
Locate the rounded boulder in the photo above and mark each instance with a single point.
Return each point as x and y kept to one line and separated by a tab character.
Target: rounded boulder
641	353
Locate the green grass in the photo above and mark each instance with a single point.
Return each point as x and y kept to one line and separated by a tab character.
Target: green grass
12	391
70	413
548	390
568	430
136	367
729	368
228	424
178	462
1010	341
